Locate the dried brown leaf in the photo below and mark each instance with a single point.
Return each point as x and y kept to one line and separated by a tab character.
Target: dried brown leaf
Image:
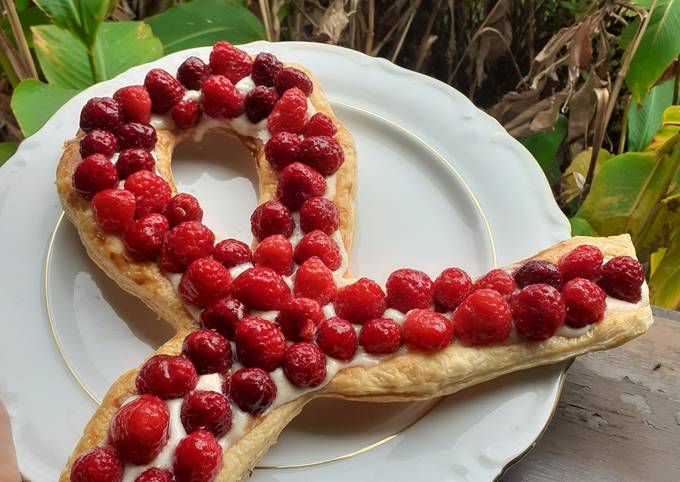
333	22
582	106
581	49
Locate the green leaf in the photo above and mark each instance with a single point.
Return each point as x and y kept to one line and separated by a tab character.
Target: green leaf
664	284
575	175
7	149
34	102
21	5
82	17
62	57
135	39
544	146
29	17
644	121
204	22
581	227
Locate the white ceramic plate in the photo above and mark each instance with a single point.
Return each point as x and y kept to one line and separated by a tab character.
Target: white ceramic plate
441	184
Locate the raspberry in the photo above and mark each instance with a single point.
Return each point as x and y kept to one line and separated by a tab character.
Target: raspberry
289	113
166	376
259	103
622	278
380	336
261	288
223	315
189	241
103	113
143	237
135	103
227	60
314	280
360	301
113	209
204	280
232	252
209	351
319	125
259	343
220	98
186	114
182	207
451	287
151	191
164	90
584	261
133	160
408	289
323	153
135	134
276	253
299	318
253	390
139	429
336	338
483	318
192	73
100	464
305	365
290	77
95	173
226	385
271	218
98	141
297	183
319	213
168	263
427	330
265	69
585	302
319	244
538	271
206	410
197	458
538	311
282	149
497	280
155	475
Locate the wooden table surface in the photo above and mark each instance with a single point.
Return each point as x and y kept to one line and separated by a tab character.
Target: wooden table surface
619	415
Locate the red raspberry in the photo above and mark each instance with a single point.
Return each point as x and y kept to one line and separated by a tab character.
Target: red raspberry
189	241
253	390
133	160
427	330
135	103
314	280
622	278
319	244
164	90
95	173
282	149
182	207
290	77
139	429
408	289
167	376
232	252
483	318
319	213
135	134
206	410
380	336
226	384
168	263
585	302
261	288
227	60
192	73
186	114
538	311
204	280
451	287
319	125
275	252
151	191
220	98
289	113
143	237
209	351
297	183
360	301
98	141
584	261
102	113
497	280
259	343
299	318
538	271
197	458
113	209
259	103
265	69
323	153
305	365
271	218
155	475
336	338
100	464
224	315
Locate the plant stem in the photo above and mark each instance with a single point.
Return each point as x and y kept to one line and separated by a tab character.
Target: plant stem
624	127
93	66
18	31
8	70
369	34
676	84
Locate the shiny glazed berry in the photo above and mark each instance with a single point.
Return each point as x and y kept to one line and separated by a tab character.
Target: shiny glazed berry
318	244
304	365
319	125
133	160
265	68
139	429
538	311
143	237
297	183
289	113
98	141
224	315
204	280
151	191
408	289
483	318
270	218
319	213
182	207
299	318
290	77
427	330
451	287
232	252
220	98
538	271
197	458
186	113
206	410
166	376
113	209
275	252
252	390
101	113
209	351
337	338
192	73
360	301
164	90
100	464
134	102
136	134
322	153
314	280
155	474
584	261
232	62
259	343
282	149
497	280
585	302
189	241
259	102
380	336
622	278
260	288
95	173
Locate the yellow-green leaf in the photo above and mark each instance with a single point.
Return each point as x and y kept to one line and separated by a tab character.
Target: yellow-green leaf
664	284
7	149
575	175
121	45
581	227
62	57
34	102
